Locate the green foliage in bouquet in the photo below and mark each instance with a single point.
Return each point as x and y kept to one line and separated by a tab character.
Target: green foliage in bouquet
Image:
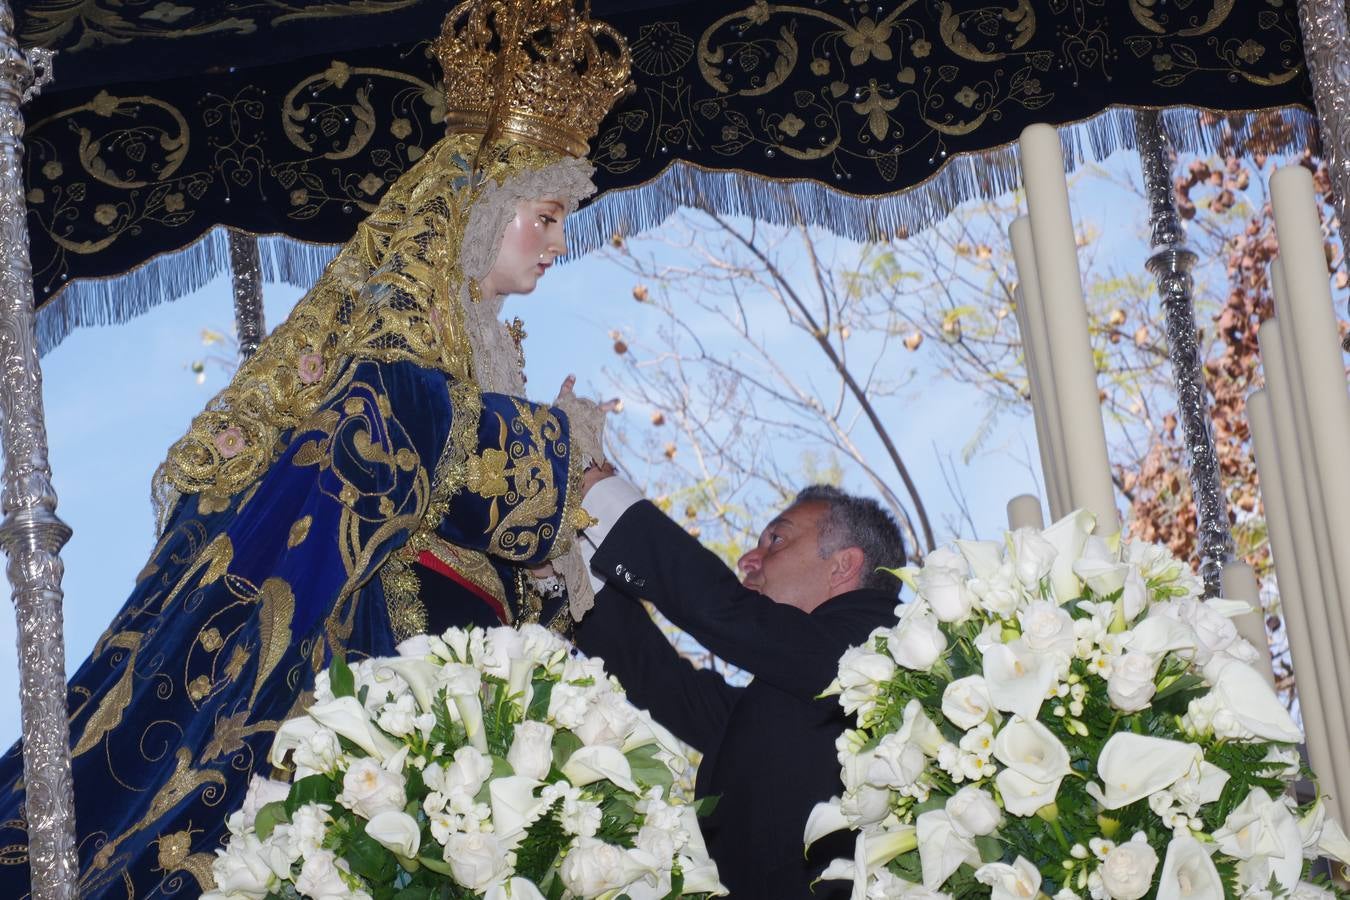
1060	716
478	764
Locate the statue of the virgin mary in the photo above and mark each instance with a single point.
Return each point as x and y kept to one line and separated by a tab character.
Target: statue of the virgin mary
372	472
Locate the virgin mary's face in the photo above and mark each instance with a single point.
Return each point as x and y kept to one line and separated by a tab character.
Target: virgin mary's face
532	242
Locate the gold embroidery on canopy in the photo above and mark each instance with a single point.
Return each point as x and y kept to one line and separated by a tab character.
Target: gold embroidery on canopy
175	854
109	713
274	623
299	531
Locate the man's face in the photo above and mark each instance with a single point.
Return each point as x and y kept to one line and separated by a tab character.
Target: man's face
785	565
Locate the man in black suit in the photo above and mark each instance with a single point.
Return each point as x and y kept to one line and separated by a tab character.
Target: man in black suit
811	589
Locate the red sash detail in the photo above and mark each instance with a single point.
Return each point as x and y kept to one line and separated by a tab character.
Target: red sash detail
429	560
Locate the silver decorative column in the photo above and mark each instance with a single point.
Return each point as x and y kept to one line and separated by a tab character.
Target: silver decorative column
1171	263
31	534
1326	49
248	299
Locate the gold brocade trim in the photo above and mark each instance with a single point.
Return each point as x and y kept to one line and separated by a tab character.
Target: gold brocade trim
473	566
574	518
402	598
394	293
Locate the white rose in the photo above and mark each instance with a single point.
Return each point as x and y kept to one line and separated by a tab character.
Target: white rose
865	806
1161	634
1133	766
1018	678
1188	872
896	763
396	831
1036	764
1047	629
367	789
476	859
1130	684
862	672
1134	595
945	591
1031	555
918	729
314	748
966	702
262	791
943	848
320	878
309	826
916	642
398	718
974	811
608	721
531	752
1214	631
593	867
1127	871
1020	881
241	870
580	817
1099	570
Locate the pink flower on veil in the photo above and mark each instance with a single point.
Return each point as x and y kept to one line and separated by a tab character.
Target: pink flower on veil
310	368
230	441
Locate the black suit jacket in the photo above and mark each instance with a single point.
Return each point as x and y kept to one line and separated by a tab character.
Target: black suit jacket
768	748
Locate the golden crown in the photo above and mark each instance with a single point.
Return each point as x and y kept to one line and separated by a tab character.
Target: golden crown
537	70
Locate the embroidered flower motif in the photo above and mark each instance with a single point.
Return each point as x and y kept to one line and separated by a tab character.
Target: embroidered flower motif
168	13
400	128
199	687
36	196
1031	86
820	66
299	197
310	368
230	441
371	184
920	48
174	202
211	640
105	214
486	474
868	39
1250	51
415	153
338	73
104	104
618	150
730	132
53	169
661	49
1162	62
876	108
791	125
967	97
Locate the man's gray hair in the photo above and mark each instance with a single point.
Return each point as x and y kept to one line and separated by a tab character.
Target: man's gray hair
860	522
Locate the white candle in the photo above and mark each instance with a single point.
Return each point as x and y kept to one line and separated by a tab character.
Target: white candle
1308	313
1075	374
1302	501
1238	582
1024	511
1319	719
1040	368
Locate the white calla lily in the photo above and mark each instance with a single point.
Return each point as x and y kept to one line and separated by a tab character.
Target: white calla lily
1241	690
1188	873
826	817
514	888
1019	881
1018	678
1068	536
596	763
396	831
348	718
943	847
1133	766
514	807
1264	834
1036	762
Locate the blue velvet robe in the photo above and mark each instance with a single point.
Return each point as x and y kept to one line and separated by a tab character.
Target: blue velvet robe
245	598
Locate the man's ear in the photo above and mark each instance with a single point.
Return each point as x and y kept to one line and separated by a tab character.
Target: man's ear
846	569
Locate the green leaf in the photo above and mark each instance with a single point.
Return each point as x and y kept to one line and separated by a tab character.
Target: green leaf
310	789
704	806
565	743
368	858
543	694
990	847
269	817
341	681
439	866
1183	683
647	769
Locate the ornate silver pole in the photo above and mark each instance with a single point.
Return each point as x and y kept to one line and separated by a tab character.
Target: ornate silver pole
248	300
1326	49
31	534
1171	264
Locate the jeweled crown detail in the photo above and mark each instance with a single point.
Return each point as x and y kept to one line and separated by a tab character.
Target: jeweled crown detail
547	70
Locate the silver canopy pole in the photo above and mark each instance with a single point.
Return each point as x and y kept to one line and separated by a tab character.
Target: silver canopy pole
248	291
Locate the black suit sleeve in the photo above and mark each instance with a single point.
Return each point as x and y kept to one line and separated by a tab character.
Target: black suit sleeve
648	554
693	703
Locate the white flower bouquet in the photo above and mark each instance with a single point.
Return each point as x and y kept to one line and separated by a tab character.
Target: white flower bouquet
1052	716
482	763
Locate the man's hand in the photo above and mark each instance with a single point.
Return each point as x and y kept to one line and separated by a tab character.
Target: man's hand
594	475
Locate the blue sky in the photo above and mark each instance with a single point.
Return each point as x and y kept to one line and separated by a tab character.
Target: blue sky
117	397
